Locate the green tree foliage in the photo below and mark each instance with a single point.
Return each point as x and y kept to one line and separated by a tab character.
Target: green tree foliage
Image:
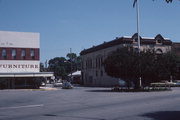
71	56
168	64
62	66
58	66
122	64
43	68
75	60
126	63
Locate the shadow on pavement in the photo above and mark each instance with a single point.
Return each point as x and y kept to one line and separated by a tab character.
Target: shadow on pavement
163	115
107	90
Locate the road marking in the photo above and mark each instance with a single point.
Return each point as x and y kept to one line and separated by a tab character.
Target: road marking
26	106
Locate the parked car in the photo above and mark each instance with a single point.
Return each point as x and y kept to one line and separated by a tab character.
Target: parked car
58	84
163	84
43	84
67	85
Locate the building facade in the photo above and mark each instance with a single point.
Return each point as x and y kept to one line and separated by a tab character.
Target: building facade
19	59
93	73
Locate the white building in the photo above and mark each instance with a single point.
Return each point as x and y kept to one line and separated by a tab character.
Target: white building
20	59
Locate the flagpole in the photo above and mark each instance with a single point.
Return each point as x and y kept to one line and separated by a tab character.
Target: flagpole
138	28
139	43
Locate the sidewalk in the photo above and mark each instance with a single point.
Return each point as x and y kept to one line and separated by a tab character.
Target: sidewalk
48	88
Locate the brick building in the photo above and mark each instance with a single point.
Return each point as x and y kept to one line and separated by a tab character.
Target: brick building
93	73
20	60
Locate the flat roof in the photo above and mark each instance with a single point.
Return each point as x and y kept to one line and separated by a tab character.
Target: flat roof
19	39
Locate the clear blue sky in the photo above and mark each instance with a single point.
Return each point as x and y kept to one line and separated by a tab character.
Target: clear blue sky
80	24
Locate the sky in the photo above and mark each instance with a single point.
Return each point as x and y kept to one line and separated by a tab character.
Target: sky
81	24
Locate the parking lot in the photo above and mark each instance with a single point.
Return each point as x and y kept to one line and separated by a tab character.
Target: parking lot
87	103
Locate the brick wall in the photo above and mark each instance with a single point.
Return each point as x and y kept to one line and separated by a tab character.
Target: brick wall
18	54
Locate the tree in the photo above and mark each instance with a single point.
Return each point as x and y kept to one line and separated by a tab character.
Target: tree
43	68
62	66
74	60
58	66
126	63
71	56
167	65
123	64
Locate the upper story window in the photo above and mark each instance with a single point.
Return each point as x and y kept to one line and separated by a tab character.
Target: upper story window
99	61
89	63
23	53
159	41
32	53
4	53
13	53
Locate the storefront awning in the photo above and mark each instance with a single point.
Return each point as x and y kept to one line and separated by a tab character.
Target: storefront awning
28	74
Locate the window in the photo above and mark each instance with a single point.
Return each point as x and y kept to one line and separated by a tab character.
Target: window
23	53
96	73
136	39
32	54
89	63
4	53
159	41
101	61
159	51
101	73
13	53
82	65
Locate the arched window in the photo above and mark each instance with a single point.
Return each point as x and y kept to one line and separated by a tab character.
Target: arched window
159	51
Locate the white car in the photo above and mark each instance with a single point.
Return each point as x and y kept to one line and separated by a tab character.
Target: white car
58	84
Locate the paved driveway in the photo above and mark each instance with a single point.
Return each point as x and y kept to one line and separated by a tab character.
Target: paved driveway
83	103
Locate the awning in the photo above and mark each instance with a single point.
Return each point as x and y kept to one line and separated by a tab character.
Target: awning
77	73
28	74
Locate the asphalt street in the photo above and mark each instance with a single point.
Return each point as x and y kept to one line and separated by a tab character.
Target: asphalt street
86	103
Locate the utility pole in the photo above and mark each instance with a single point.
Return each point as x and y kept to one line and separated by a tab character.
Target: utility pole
71	63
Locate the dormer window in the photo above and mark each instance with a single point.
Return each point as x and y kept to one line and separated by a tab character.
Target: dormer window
135	37
159	41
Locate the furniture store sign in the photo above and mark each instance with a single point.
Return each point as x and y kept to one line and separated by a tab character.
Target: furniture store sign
19	66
